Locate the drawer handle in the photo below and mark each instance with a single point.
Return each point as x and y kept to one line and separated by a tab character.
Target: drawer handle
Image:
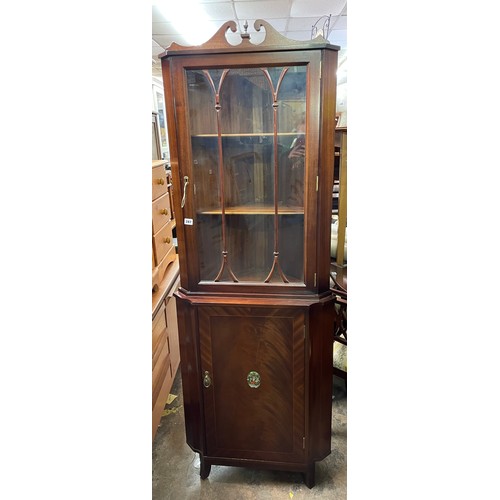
166	240
160	181
207	381
164	211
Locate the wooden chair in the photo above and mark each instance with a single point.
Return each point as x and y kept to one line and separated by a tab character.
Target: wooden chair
340	325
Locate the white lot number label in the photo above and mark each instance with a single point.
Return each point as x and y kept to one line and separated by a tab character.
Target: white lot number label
188	222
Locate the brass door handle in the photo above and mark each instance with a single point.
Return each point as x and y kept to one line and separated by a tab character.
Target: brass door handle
207	381
186	182
164	211
166	240
160	181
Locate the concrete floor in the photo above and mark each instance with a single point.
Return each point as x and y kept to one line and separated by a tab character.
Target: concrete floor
176	466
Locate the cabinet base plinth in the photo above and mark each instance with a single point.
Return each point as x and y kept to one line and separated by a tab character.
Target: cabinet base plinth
307	470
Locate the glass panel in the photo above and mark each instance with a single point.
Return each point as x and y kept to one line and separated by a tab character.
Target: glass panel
201	100
246	103
248	130
210	244
250	244
203	123
247	126
291	137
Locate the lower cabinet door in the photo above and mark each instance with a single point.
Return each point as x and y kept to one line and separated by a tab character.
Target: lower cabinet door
253	369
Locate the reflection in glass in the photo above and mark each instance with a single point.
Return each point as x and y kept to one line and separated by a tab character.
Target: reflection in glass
161	118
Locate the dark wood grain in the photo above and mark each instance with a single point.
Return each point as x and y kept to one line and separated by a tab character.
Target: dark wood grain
285	422
326	160
191	377
263	422
319	368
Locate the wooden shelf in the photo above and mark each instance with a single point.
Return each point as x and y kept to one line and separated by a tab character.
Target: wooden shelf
246	280
257	134
256	210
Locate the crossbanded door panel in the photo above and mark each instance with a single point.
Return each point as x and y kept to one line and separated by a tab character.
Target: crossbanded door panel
264	422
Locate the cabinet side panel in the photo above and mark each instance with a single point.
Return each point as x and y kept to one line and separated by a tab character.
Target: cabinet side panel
313	226
173	335
186	319
326	164
320	378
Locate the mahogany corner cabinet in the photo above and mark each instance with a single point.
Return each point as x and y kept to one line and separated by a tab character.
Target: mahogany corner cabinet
251	137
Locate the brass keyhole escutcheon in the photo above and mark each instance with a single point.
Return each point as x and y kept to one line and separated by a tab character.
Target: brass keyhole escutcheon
207	381
253	379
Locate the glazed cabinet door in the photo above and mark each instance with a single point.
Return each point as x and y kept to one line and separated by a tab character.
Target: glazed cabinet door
248	171
252	365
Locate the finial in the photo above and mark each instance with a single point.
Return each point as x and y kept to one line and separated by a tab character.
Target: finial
245	35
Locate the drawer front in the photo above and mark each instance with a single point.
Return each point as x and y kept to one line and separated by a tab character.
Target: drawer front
160	352
163	241
162	372
162	347
163	265
161	212
160	395
159	326
173	331
159	181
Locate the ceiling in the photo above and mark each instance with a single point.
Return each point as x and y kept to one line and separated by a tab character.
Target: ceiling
192	22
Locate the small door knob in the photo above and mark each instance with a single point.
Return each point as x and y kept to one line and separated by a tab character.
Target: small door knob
160	181
166	240
164	211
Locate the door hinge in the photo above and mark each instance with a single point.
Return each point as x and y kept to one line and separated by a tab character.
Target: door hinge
320	69
317	182
304	443
315	278
304	332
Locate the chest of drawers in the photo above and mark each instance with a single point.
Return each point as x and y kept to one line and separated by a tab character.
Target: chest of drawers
165	273
163	250
165	341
